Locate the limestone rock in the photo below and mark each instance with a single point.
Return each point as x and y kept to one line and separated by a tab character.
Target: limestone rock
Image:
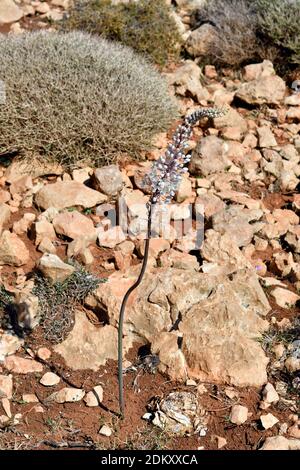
22	225
41	7
209	156
20	168
266	137
186	80
112	237
9	344
264	90
108	180
285	298
5	214
279	223
64	194
177	259
292	364
13	250
293	114
239	198
54	268
81	175
235	221
21	185
9	12
67	394
208	204
268	421
200	40
232	119
43	229
6	386
280	443
222	97
32	303
189	4
206	329
20	365
46	246
269	394
156	246
238	414
256	71
105	431
172	360
218	319
89	347
74	225
30	398
184	190
49	379
94	397
44	353
221	442
4	196
221	254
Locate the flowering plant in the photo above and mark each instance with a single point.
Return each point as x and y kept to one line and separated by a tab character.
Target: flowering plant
163	179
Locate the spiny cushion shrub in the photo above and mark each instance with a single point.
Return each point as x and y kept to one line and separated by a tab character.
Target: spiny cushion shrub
279	20
235	41
57	301
144	25
73	97
252	30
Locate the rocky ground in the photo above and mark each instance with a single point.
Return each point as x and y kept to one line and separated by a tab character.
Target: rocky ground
223	319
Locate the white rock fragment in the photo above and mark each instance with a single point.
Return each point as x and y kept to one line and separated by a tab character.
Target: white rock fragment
38	409
285	298
94	397
191	383
20	365
268	421
281	443
6	386
67	395
105	431
6	406
44	353
63	194
266	137
221	442
49	379
110	238
239	414
54	268
30	398
269	394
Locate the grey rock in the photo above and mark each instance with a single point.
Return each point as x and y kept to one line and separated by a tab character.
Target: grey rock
108	180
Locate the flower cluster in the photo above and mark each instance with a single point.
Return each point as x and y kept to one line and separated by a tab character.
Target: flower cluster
167	171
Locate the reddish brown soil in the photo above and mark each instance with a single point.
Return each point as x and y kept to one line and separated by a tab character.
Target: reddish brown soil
74	422
276	201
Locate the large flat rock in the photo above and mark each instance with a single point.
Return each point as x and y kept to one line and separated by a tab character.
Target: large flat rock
219	319
63	194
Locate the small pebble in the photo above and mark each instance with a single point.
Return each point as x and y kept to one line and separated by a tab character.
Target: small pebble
105	431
